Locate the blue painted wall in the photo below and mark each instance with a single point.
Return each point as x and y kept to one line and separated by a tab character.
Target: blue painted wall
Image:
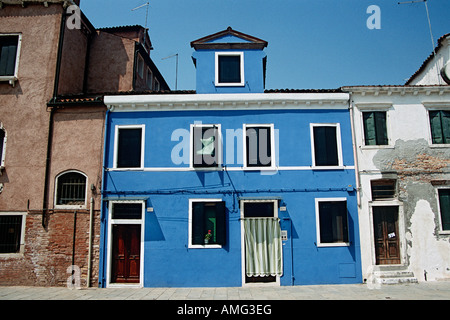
169	261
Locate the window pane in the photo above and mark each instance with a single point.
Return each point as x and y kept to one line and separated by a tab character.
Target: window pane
444	205
325	146
8	47
229	69
10	231
440	126
333	222
71	189
383	188
127	211
380	128
2	141
205	146
129	148
259	152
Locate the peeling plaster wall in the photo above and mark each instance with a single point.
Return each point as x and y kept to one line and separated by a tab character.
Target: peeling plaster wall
415	163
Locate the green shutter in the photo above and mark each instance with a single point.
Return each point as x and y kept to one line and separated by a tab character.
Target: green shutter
8	55
436	129
380	128
198	223
369	128
220	223
445	121
444	204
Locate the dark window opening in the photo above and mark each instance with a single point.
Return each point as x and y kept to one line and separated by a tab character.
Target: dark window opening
8	54
127	210
229	69
444	206
375	131
258	147
129	148
325	146
383	189
208	223
333	221
206	143
10	233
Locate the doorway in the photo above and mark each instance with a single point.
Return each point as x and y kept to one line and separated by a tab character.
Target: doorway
126	253
386	235
261	248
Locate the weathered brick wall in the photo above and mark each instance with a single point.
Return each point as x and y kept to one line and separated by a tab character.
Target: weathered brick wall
49	252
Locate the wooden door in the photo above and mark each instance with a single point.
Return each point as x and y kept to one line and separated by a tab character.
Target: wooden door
126	253
387	244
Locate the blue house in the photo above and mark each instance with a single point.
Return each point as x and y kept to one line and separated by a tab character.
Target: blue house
230	185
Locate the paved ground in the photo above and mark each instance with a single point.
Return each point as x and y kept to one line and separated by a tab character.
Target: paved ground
439	290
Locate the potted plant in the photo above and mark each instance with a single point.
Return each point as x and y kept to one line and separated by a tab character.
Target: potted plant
208	236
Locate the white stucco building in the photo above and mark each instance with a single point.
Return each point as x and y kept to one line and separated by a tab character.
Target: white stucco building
402	146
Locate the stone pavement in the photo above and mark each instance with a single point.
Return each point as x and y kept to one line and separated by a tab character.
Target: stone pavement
437	290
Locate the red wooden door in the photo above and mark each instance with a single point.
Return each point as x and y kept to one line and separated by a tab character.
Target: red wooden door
385	224
126	253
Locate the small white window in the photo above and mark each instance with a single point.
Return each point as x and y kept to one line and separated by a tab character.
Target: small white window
259	146
206	146
129	146
332	222
326	145
71	190
229	69
9	57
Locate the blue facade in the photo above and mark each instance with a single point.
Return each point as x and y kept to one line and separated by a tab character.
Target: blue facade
167	184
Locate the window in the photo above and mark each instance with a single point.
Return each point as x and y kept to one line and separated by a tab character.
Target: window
207	223
229	69
259	146
2	146
332	228
129	147
206	146
140	66
444	206
149	79
157	86
375	131
11	233
126	210
71	190
9	56
326	145
440	126
383	189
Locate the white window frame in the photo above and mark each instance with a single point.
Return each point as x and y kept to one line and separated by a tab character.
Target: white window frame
219	147
22	235
2	156
338	141
116	145
233	84
111	222
65	206
272	146
435	107
12	79
335	244
199	246
441	230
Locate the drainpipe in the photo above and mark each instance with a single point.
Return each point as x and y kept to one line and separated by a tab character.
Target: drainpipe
91	217
355	154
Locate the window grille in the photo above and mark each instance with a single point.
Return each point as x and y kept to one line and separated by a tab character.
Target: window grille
10	233
71	189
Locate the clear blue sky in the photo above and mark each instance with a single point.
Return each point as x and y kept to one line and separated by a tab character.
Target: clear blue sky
313	44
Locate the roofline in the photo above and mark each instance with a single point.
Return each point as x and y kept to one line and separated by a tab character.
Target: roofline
430	57
255	43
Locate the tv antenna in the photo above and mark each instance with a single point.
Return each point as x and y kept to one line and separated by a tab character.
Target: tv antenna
429	25
146	15
176	74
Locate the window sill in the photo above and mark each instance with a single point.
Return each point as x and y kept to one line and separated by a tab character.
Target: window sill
71	207
11	79
11	255
205	246
337	244
327	167
232	84
440	145
444	233
376	147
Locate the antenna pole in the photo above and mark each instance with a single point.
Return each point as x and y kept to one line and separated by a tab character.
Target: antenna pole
176	74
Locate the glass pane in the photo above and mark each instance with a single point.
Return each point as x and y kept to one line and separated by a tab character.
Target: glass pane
258	209
325	146
8	48
129	148
205	146
229	69
127	211
444	205
259	152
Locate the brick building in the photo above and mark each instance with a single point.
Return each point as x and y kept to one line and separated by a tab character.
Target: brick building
52	79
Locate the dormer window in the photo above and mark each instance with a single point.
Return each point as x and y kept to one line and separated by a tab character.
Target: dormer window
230	69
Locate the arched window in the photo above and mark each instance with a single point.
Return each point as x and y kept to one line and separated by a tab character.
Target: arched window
71	190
